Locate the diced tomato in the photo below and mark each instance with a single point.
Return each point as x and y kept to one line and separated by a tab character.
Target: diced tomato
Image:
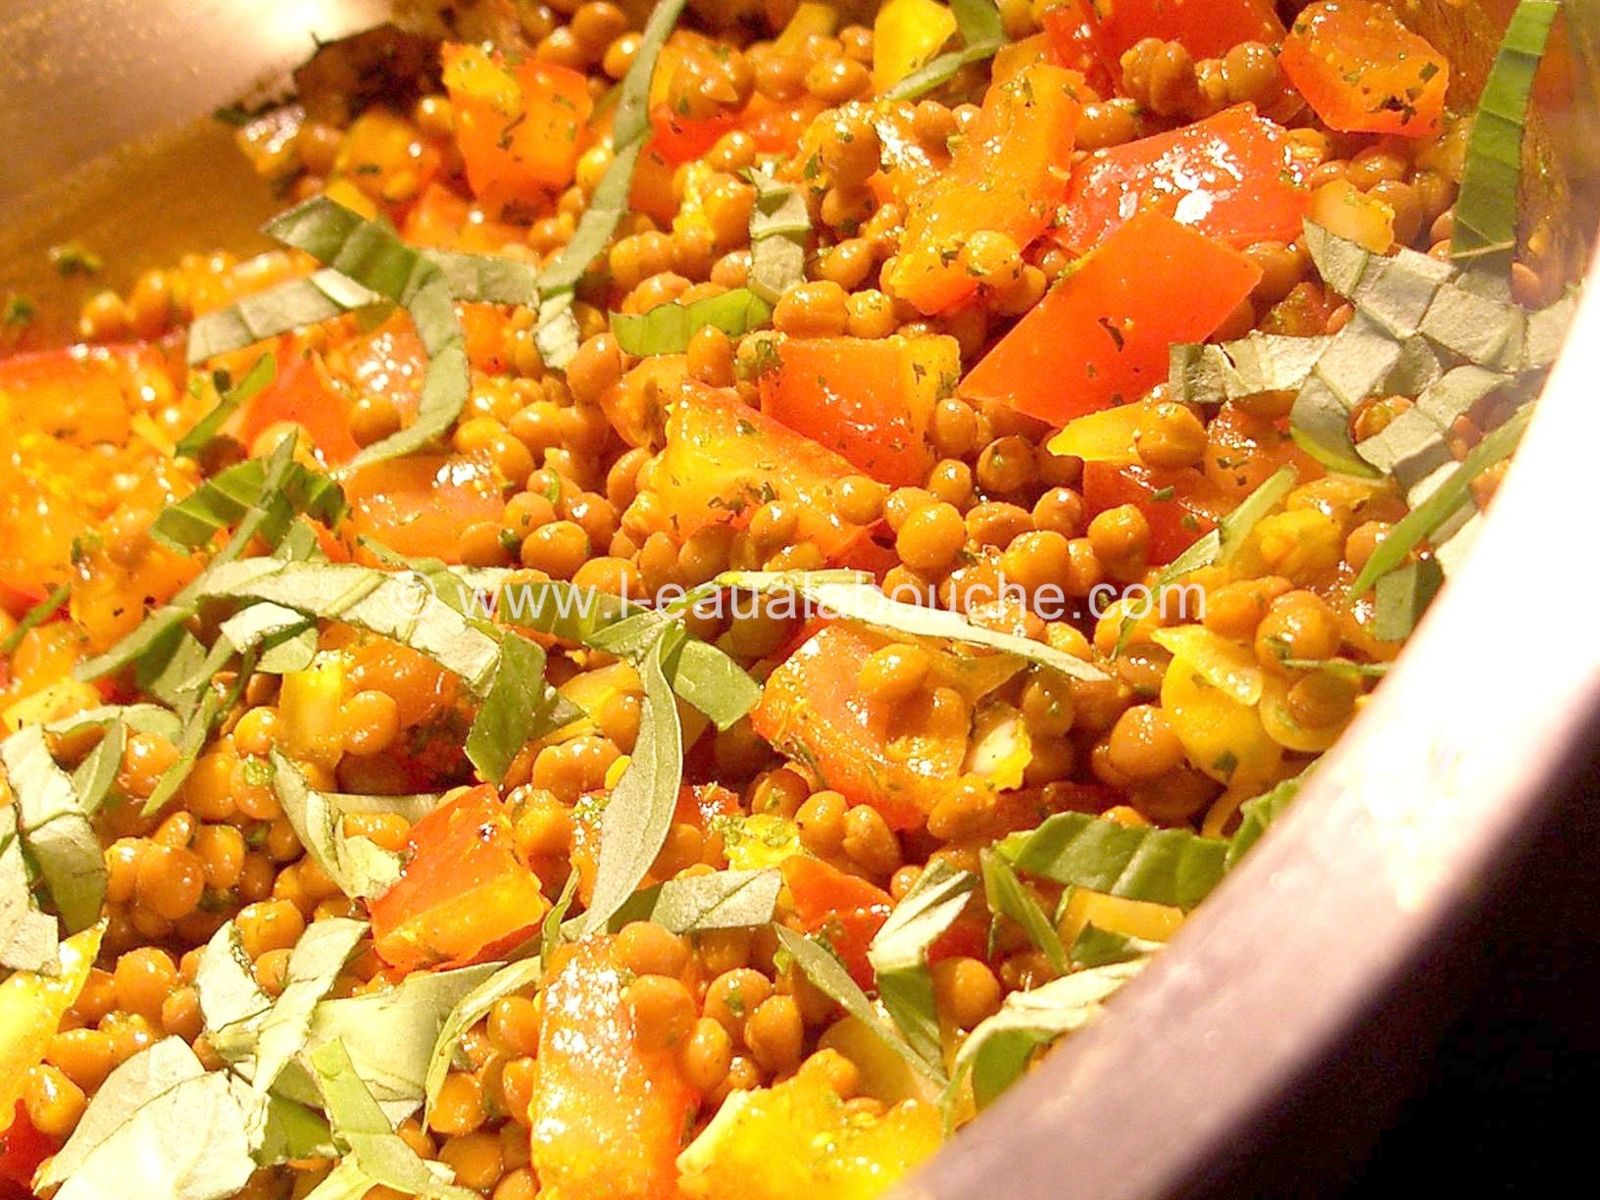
418	506
1205	28
1363	71
891	757
609	1116
1015	57
463	894
518	127
1101	336
441	218
389	362
22	1149
1070	28
1234	176
1243	450
908	169
872	400
776	128
651	190
1180	503
844	909
302	393
724	459
1005	177
85	394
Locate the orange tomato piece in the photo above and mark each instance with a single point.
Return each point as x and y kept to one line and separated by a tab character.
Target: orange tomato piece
1363	71
1180	503
887	756
463	894
776	127
518	127
872	400
1205	28
724	459
845	910
1070	28
84	395
1234	176
301	393
418	506
608	1117
1006	176
1101	336
443	219
1243	450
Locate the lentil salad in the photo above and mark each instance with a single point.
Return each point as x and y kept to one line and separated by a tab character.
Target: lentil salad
337	724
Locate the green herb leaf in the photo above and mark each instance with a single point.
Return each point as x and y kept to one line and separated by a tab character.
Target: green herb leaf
297	304
718	900
74	258
713	683
997	1052
271	491
628	131
1164	866
225	981
519	705
634	825
978	21
1008	896
379	1153
487	278
848	596
160	1125
29	940
54	828
469	1010
899	954
941	70
824	969
362	868
780	228
557	335
1425	518
668	328
1258	813
1096	947
55	600
1402	596
1485	234
206	429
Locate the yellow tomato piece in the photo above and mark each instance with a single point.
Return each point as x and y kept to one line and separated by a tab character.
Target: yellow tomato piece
31	1008
1106	436
310	706
758	841
809	19
1115	914
1000	748
1277	718
50	703
1225	665
905	35
794	1141
1222	737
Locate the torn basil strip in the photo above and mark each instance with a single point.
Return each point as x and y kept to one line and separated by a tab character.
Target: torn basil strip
510	979
207	428
1485	229
320	296
1007	896
697	903
1162	866
1259	812
780	230
518	707
53	826
898	954
998	1050
29	939
276	488
668	328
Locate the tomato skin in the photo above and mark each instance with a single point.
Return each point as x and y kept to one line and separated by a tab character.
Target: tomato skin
724	458
1243	450
1071	30
518	127
1177	517
1005	176
463	894
22	1149
608	1117
1363	71
418	506
846	910
813	710
1205	28
872	400
303	393
1234	176
1101	336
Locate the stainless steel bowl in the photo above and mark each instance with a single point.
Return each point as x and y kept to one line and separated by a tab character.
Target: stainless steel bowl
1306	975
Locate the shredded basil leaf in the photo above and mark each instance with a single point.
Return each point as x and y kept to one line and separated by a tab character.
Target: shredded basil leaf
54	828
696	903
668	328
206	429
519	705
468	1011
1007	896
899	954
1485	236
271	491
824	969
941	70
1164	866
320	296
780	228
997	1052
1256	814
55	600
29	940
